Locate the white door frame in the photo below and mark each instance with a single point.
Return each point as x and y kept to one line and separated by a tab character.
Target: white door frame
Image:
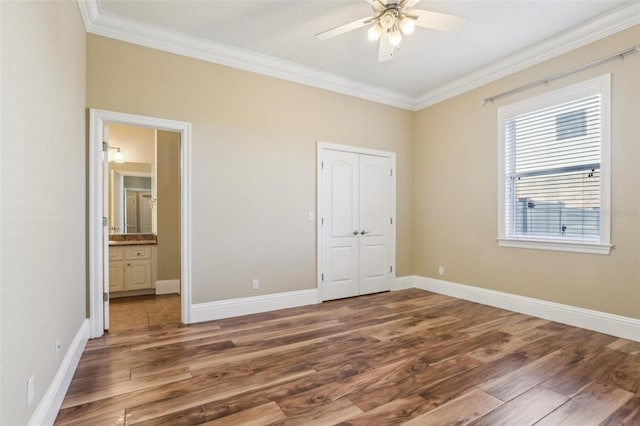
97	244
319	205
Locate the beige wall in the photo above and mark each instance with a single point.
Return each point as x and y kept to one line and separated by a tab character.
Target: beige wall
168	185
43	291
253	160
136	143
455	193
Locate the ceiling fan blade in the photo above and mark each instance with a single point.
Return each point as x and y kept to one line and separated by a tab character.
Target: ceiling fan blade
386	50
437	21
408	3
344	28
378	5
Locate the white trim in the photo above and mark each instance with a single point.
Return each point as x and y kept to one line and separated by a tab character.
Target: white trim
167	287
252	305
615	325
618	20
97	119
321	146
590	248
49	406
100	23
404	283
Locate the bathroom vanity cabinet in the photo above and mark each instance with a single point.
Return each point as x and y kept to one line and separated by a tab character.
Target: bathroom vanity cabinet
132	267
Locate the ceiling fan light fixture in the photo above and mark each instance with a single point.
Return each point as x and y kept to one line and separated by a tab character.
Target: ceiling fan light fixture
374	32
408	25
395	37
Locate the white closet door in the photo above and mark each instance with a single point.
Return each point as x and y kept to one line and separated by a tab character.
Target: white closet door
357	230
340	227
376	238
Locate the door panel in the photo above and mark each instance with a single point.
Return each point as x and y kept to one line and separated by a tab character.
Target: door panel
340	221
375	221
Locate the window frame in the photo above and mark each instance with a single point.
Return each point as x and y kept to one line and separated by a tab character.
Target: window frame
599	85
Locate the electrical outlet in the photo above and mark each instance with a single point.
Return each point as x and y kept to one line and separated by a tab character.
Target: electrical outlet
440	270
256	284
58	350
30	385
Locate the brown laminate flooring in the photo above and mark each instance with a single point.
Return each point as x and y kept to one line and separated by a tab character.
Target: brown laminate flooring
409	357
126	313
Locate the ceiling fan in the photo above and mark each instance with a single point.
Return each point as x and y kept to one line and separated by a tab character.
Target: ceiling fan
391	19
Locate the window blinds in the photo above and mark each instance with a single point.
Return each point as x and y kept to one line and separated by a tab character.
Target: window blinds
552	172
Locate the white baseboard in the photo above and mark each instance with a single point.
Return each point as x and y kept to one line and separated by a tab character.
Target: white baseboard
404	283
615	325
167	287
252	305
47	410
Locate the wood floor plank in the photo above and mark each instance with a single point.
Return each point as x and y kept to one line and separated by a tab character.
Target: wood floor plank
256	416
95	394
627	414
623	345
190	416
115	418
590	407
223	390
410	384
525	409
332	413
383	359
394	412
571	380
330	392
460	411
626	374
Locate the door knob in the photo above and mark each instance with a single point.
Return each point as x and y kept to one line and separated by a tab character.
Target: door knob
364	232
355	232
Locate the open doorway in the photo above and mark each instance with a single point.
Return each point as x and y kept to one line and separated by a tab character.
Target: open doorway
144	227
138	247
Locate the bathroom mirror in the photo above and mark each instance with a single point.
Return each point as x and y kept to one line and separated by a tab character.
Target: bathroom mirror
132	188
132	204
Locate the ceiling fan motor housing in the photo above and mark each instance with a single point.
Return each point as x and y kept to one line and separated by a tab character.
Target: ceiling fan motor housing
388	18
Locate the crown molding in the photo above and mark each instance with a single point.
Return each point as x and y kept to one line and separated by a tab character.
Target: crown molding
100	23
119	28
618	20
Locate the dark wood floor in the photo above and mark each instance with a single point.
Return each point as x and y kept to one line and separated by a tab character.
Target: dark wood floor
409	357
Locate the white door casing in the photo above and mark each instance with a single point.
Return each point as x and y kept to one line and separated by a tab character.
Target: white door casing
356	231
98	206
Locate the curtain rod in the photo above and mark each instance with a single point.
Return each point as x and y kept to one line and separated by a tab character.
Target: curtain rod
547	80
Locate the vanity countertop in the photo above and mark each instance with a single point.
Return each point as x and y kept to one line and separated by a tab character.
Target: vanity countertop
132	239
133	243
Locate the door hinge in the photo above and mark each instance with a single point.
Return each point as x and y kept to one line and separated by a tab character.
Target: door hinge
105	221
391	269
322	221
105	146
322	277
322	164
105	297
391	170
391	220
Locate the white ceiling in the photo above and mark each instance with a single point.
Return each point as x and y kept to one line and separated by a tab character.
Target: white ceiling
277	38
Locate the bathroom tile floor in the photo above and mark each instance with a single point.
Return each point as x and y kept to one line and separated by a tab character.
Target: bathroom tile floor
126	313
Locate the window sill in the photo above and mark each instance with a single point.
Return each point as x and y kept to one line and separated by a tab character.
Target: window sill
591	248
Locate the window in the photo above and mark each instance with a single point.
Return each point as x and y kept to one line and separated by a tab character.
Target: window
554	170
